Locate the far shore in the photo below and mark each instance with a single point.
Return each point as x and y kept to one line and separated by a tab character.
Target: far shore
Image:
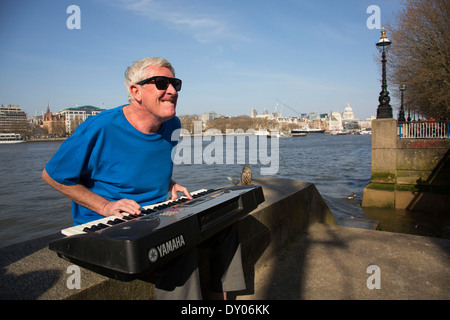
45	139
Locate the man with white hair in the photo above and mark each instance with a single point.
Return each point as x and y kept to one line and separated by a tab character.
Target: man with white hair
120	160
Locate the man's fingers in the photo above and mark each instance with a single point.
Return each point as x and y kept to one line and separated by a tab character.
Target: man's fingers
177	188
188	194
117	208
129	206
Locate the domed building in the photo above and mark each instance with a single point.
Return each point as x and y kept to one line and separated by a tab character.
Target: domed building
348	119
348	113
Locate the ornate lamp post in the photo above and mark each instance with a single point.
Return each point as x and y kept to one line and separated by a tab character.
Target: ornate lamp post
401	114
384	108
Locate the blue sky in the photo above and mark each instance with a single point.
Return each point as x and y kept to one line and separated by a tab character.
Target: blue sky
314	56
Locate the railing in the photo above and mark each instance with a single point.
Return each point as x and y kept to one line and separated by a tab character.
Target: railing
424	130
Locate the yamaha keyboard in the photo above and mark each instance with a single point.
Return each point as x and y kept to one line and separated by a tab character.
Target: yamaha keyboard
136	244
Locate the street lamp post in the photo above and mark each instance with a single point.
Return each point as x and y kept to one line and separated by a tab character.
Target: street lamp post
384	109
401	114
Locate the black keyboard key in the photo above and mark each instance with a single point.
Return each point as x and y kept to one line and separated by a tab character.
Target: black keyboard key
90	229
115	221
147	211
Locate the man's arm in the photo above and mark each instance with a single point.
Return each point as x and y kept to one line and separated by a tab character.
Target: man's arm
83	196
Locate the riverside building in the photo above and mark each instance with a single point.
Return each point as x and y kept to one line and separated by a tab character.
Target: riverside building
67	120
13	119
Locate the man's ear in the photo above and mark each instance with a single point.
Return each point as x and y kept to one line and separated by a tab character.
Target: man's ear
136	92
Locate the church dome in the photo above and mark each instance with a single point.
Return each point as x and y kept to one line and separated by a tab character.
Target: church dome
348	112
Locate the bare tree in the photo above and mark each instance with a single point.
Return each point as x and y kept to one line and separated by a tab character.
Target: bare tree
420	56
242	122
187	122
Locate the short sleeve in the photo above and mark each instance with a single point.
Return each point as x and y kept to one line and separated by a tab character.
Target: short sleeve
70	162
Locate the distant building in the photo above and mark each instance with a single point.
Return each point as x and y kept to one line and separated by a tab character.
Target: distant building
335	121
53	124
13	119
75	116
265	116
349	121
348	113
277	114
211	115
313	116
366	124
67	120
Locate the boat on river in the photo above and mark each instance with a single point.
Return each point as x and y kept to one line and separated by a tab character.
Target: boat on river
9	138
339	132
294	133
307	130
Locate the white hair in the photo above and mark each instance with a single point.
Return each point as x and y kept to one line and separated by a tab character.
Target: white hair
136	72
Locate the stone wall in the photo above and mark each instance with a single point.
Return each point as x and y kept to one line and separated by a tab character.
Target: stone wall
409	174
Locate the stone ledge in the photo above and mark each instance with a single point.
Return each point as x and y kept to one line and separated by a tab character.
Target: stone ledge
331	262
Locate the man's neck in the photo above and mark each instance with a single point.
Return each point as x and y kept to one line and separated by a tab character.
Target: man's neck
140	119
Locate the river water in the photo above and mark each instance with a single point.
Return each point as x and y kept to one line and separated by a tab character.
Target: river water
337	165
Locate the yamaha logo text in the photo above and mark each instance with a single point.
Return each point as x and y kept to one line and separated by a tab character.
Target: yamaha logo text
167	247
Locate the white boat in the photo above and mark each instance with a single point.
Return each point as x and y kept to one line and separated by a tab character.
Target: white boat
339	132
294	133
307	130
9	138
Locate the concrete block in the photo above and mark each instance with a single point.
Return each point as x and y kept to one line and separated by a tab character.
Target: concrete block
378	197
412	177
384	134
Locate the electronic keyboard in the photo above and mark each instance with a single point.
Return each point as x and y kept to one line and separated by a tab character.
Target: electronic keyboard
140	243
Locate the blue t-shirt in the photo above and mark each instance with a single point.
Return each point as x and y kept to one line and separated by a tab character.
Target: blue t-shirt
110	157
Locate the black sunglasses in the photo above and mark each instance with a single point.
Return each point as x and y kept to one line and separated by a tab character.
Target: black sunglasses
162	83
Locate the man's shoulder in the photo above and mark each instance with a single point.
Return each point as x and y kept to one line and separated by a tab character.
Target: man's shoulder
108	113
96	121
172	124
175	122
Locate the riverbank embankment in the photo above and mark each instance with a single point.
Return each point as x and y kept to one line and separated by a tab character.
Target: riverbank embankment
292	249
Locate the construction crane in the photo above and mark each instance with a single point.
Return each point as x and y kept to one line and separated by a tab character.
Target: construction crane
288	107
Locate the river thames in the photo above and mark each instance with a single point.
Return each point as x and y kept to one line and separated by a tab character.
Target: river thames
338	166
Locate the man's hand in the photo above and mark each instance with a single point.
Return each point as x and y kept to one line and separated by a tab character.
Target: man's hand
174	188
116	208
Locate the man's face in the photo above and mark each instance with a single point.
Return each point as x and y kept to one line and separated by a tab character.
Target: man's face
160	103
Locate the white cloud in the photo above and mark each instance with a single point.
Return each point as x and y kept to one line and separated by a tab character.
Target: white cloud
203	26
